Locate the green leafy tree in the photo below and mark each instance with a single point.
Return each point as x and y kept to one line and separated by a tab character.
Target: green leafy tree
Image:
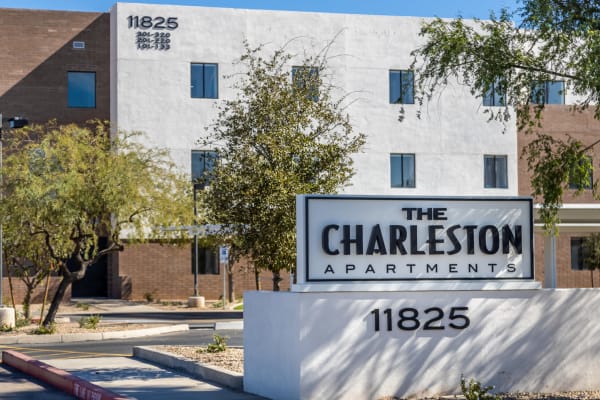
26	258
278	138
71	185
555	40
591	254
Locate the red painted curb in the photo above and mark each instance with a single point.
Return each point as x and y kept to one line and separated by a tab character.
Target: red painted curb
58	378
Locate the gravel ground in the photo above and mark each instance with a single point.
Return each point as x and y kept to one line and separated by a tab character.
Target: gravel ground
73	327
231	359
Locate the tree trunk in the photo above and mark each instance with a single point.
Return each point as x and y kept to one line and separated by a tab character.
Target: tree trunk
57	299
231	285
27	302
276	280
257	278
10	285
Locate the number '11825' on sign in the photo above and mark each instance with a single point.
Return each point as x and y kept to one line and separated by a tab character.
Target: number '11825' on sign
409	319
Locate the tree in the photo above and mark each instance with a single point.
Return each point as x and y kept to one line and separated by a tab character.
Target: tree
71	185
591	253
26	258
278	138
556	40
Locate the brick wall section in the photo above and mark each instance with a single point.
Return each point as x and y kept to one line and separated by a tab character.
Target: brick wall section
38	294
165	271
36	53
559	122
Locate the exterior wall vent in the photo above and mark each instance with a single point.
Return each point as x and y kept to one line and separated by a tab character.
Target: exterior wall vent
78	45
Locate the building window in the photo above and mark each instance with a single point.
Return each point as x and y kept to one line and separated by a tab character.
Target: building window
203	162
301	76
588	183
402	170
549	92
208	260
81	89
204	81
577	253
494	96
402	84
495	172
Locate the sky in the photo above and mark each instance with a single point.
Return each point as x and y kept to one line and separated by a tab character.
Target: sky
418	8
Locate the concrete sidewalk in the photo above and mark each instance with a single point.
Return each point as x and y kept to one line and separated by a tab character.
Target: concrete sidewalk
144	381
111	378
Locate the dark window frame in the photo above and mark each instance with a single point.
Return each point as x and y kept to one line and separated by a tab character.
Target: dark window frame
577	263
542	89
403	178
497	183
204	77
590	184
401	95
492	99
203	179
208	260
71	103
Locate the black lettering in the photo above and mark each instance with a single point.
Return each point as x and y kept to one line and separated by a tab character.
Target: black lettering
350	267
410	267
432	268
483	245
453	239
492	266
432	239
414	246
408	212
325	240
390	268
329	269
511	267
470	239
452	268
376	239
439	214
358	240
397	237
370	269
516	239
473	268
428	212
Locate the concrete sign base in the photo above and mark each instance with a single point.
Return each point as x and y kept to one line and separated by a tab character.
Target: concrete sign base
7	317
367	345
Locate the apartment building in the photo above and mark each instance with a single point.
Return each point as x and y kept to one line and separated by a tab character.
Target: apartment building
163	69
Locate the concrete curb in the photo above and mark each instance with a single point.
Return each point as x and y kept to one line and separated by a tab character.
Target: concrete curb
195	369
58	378
84	337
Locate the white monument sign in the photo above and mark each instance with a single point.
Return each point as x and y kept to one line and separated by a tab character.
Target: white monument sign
353	239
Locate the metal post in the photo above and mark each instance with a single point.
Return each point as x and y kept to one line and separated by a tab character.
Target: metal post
550	262
224	286
195	248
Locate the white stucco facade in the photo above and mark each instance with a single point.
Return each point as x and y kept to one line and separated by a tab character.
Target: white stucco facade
151	91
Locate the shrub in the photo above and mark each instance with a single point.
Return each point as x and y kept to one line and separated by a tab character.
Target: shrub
45	330
474	390
22	321
6	328
218	345
150	296
90	322
83	306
